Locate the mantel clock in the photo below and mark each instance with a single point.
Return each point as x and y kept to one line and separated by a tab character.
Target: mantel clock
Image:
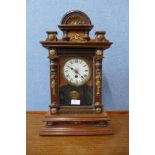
76	79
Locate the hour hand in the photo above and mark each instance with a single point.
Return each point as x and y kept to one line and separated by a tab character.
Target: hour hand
71	68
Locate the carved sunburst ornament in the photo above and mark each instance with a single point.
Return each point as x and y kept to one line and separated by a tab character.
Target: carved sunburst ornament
75	20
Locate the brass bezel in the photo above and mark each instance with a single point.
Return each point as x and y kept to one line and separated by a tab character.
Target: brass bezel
89	74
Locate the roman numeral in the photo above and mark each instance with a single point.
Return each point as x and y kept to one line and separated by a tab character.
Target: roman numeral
85	75
67	75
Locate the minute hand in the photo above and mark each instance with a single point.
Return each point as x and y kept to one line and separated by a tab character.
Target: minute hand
80	74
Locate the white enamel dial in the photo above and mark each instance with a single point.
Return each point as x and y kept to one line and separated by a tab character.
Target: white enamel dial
76	71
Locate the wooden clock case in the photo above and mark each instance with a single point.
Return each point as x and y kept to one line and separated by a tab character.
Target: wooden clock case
86	119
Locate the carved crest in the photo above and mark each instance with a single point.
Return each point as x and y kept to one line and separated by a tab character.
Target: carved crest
76	18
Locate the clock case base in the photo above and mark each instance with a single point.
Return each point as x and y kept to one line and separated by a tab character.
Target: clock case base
75	124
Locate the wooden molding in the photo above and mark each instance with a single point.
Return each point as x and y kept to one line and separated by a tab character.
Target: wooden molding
114	112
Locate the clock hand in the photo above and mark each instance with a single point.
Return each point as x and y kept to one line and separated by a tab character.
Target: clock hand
80	75
71	68
76	71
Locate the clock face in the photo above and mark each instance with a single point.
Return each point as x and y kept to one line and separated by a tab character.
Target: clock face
76	71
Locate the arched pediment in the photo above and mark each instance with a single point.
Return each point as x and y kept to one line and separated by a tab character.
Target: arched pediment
75	17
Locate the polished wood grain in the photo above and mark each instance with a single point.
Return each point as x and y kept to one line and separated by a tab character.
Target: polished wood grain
76	124
116	144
